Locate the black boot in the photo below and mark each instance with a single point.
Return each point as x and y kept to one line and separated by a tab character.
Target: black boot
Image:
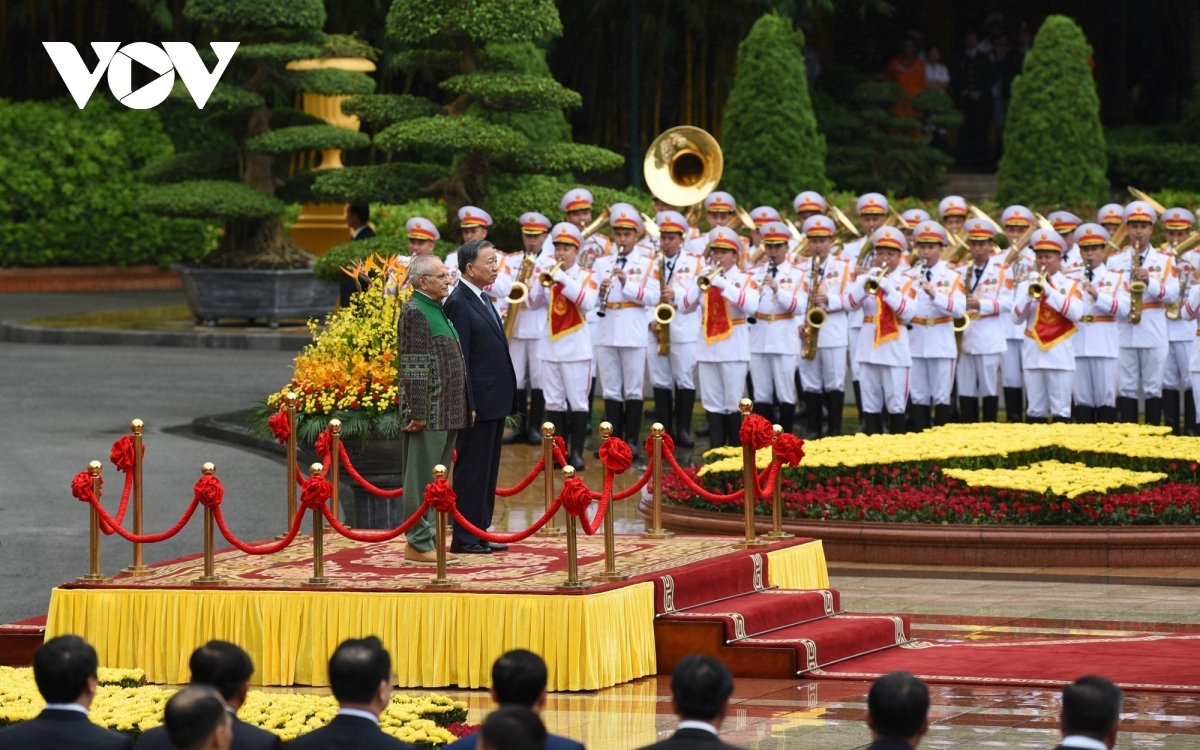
812	415
1036	420
733	429
1084	414
1189	413
1127	410
518	433
561	425
942	413
955	412
579	433
663	409
633	431
1154	410
787	416
896	423
614	412
685	400
920	416
1014	404
991	408
537	411
968	409
1107	414
833	406
872	423
1170	405
716	429
859	409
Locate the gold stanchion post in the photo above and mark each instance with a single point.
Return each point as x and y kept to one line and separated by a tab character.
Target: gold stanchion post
550	529
610	542
335	464
777	531
441	581
94	575
572	583
210	577
318	579
139	567
749	479
656	531
290	407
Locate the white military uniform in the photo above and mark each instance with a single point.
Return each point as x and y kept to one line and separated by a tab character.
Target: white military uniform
679	367
827	371
567	360
774	341
1181	332
723	364
1096	343
1048	372
850	253
621	333
1191	310
983	343
931	342
1011	365
531	325
884	369
1144	346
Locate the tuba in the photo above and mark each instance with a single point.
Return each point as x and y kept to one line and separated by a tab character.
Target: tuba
520	290
683	165
814	315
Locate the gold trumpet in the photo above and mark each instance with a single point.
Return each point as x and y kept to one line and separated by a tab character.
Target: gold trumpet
704	280
546	278
1037	287
871	285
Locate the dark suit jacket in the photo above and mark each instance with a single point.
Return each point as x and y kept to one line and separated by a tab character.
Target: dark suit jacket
65	729
490	376
366	234
553	742
348	733
690	739
245	737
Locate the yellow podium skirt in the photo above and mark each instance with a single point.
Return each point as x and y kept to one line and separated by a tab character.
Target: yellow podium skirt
798	567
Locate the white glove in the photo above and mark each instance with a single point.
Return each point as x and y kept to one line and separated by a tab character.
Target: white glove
560	276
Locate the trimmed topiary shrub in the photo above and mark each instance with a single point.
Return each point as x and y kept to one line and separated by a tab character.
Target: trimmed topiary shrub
1154	166
1054	148
770	140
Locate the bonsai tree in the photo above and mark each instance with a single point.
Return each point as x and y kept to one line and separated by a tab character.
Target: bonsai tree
770	139
255	110
454	149
1054	150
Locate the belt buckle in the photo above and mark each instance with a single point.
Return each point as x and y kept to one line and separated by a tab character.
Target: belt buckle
767	318
1089	318
929	322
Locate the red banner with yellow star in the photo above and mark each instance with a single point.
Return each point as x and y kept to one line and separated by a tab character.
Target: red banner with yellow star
718	324
565	317
1051	327
887	327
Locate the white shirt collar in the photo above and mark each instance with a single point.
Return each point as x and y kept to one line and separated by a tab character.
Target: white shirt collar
478	292
358	712
693	724
359	230
66	707
1083	743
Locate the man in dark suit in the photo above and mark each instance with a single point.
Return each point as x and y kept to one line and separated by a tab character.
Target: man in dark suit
360	674
358	217
493	386
518	680
196	718
701	687
227	668
897	712
64	669
1091	712
513	728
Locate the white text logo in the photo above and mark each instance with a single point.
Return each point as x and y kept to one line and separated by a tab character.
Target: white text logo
118	61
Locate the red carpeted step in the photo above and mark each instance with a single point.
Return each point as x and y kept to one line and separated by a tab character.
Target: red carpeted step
833	639
764	611
710	581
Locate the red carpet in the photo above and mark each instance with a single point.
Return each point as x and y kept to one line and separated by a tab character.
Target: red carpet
1154	663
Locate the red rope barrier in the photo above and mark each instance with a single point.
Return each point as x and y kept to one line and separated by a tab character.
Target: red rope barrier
378	536
766	490
712	497
265	549
82	490
524	483
345	457
512	536
590	528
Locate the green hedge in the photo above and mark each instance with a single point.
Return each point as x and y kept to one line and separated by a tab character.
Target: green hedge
70	188
1154	166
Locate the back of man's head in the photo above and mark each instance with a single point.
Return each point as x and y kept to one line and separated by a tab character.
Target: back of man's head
361	211
898	705
1091	706
512	728
357	668
518	678
223	665
701	686
62	666
193	716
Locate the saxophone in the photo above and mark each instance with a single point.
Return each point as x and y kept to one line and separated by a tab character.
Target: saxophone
814	315
516	297
1137	287
664	313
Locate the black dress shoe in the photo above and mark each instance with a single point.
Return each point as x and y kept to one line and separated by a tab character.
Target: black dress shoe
470	549
496	547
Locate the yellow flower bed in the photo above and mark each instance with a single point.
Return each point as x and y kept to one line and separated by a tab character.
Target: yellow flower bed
1071	480
130	709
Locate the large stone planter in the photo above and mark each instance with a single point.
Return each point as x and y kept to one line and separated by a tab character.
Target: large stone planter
963	545
380	462
214	293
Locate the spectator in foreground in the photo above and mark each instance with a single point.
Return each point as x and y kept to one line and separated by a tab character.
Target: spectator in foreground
226	668
513	728
519	679
64	669
360	674
1091	711
196	719
700	687
897	712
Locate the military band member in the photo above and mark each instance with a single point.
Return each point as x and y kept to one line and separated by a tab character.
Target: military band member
1111	216
872	211
1181	332
422	235
989	301
823	378
883	355
953	210
1065	223
1144	344
577	205
912	218
807	204
566	350
529	329
1191	310
1017	221
1096	344
718	209
1050	322
677	368
724	351
473	223
940	299
774	345
626	292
